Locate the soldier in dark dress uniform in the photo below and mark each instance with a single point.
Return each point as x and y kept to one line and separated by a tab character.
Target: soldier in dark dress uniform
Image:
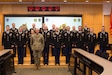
41	30
14	30
33	27
52	31
80	38
20	41
7	38
85	29
91	41
73	36
57	39
63	30
32	31
26	32
47	39
103	39
67	44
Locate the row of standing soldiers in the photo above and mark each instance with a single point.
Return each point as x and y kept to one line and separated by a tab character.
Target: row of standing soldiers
63	39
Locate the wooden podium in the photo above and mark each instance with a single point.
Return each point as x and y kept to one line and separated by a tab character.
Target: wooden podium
6	62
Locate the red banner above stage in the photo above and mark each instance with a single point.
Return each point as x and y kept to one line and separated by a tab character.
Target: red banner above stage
37	8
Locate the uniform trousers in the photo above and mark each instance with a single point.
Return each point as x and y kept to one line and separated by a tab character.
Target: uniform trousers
57	55
91	48
14	50
67	54
31	55
46	55
37	55
20	55
24	51
103	48
53	53
63	51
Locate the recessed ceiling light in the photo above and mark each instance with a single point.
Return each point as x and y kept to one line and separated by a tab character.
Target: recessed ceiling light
87	1
108	1
65	0
42	0
20	0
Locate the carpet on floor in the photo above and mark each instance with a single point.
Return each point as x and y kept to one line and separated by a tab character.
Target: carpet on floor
42	71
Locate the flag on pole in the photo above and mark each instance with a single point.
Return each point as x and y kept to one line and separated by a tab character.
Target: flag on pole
111	22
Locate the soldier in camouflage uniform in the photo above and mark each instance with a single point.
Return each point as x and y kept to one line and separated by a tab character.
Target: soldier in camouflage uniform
37	45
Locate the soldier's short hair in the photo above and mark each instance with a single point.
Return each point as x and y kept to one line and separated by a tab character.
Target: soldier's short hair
7	26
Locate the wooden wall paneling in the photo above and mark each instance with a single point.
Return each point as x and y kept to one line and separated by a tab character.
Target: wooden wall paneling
97	8
88	19
107	26
7	9
1	30
88	9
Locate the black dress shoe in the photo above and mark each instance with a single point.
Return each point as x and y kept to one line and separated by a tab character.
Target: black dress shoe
20	63
32	62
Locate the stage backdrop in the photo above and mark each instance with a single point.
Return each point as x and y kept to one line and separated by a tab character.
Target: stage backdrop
58	20
63	20
19	21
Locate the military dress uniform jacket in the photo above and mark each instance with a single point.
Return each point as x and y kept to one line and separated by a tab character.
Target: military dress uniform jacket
7	39
20	39
52	32
57	40
80	39
26	32
85	30
67	41
91	39
47	38
73	37
37	42
14	31
41	30
29	38
103	38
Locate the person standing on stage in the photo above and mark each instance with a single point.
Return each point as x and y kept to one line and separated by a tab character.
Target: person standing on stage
47	37
41	30
20	42
53	28
57	40
37	45
31	32
103	39
73	37
7	38
52	31
14	30
67	43
80	38
85	29
33	27
25	31
63	30
91	41
74	29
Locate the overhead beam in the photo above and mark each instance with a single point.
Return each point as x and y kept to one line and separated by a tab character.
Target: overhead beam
50	3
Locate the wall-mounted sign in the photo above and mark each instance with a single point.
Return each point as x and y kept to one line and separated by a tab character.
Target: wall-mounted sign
38	8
